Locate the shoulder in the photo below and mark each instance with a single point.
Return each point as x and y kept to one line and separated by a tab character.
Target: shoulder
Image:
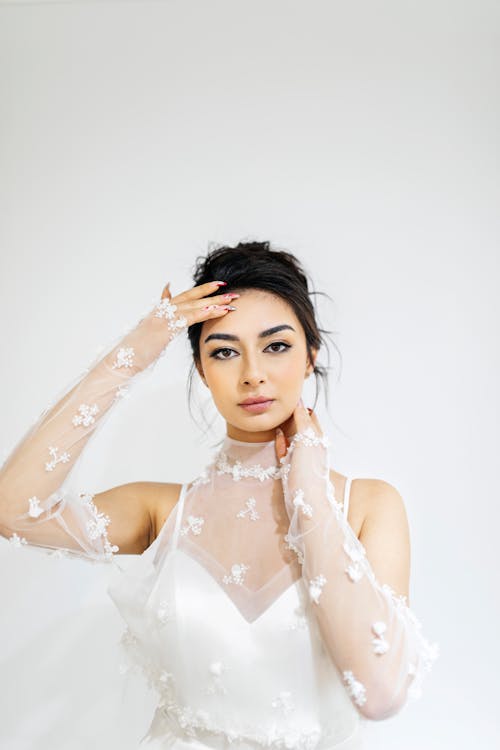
368	498
377	515
382	502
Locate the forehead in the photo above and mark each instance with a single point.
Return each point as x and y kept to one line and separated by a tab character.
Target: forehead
257	310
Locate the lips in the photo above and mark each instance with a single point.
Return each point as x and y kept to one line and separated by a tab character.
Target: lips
257	400
257	405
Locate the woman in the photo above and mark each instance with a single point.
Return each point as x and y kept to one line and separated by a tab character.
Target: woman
263	611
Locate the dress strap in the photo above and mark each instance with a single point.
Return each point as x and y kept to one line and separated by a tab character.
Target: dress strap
179	509
347	492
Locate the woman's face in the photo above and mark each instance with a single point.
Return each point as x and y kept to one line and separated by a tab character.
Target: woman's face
257	350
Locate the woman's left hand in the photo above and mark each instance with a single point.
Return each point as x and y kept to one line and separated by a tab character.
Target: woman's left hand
301	419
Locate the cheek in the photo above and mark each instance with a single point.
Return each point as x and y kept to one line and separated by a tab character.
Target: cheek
218	380
293	368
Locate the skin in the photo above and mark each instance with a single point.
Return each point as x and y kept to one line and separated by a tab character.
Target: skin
254	366
275	366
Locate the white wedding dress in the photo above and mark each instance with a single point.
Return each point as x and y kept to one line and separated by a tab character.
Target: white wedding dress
254	615
232	662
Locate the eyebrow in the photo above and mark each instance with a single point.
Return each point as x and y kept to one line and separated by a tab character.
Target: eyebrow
262	334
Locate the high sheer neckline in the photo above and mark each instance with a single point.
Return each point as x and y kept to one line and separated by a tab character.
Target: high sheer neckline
249	456
232	441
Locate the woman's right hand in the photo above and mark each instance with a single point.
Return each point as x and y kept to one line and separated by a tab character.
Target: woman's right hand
195	306
149	339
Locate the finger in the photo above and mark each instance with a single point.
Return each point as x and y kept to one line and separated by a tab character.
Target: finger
198	315
166	291
303	419
315	421
197	292
280	443
217	299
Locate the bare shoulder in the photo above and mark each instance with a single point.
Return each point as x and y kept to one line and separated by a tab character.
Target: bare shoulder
377	515
368	498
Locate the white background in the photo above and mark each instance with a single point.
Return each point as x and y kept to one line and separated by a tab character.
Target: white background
361	136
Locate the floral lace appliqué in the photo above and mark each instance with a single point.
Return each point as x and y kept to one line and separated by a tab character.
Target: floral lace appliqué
195	722
249	510
17	541
34	510
238	572
299	619
124	358
380	645
59	553
97	525
298	502
355	689
165	309
316	587
240	471
164	613
216	671
194	524
309	438
356	552
62	459
354	572
121	392
284	702
86	415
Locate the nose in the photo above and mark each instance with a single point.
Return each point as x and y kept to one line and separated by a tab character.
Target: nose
253	381
251	373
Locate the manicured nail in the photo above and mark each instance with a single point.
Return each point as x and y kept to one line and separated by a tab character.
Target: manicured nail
221	283
229	307
231	295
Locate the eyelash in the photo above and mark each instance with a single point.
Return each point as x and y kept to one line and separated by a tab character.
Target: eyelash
227	349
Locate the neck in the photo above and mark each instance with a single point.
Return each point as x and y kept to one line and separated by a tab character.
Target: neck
250	452
244	436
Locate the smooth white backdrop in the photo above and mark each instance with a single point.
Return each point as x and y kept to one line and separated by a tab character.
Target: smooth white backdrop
361	136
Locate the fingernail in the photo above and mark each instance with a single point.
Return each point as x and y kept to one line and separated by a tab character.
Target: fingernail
279	431
229	307
301	403
221	283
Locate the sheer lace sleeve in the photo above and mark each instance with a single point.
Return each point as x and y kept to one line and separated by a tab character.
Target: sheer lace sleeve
374	639
36	506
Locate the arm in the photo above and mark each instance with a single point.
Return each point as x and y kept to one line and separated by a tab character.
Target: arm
37	506
373	637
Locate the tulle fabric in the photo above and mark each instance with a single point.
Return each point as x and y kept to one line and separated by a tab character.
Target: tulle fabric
39	505
373	637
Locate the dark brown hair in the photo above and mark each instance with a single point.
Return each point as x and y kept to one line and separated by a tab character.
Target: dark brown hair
255	265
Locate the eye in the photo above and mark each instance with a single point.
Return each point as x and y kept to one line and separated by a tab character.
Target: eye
218	351
280	343
215	354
